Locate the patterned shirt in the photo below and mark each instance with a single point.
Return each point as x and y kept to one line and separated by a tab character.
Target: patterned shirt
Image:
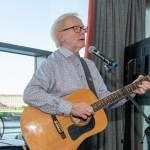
59	75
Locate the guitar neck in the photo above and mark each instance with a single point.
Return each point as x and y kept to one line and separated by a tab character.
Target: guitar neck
117	95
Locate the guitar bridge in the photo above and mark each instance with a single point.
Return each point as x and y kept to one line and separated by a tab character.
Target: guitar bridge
58	126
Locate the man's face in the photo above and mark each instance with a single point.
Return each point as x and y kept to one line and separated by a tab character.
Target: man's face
73	38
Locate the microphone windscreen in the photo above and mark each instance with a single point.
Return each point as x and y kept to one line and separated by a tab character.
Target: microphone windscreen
91	48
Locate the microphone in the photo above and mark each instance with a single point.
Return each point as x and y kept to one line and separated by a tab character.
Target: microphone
92	50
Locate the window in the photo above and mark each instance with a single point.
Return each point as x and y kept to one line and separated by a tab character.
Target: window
17	67
14	77
26	23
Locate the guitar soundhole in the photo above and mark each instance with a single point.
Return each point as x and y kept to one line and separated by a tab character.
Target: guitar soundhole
80	121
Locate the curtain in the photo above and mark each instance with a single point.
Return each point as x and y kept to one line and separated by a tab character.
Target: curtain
117	24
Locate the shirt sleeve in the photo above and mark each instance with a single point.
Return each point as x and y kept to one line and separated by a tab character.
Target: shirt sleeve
37	94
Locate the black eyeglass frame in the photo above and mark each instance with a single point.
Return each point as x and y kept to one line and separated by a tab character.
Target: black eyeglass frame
85	28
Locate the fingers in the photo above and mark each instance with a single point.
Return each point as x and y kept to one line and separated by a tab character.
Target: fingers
146	84
88	110
143	87
84	116
139	78
82	110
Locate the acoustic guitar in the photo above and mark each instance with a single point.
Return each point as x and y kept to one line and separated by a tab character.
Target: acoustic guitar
44	131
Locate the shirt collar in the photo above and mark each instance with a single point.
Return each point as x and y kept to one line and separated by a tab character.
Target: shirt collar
67	53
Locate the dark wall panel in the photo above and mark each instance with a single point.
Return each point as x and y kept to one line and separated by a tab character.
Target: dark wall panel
137	61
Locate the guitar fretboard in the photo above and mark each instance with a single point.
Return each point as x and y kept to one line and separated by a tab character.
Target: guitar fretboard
117	95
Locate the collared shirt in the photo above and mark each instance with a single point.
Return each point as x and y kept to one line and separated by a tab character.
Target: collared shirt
58	76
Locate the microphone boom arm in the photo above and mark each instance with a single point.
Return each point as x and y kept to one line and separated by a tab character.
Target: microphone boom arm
106	59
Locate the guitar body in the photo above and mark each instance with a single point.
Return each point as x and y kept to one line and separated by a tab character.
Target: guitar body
40	132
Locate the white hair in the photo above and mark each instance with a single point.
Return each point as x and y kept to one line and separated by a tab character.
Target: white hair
58	25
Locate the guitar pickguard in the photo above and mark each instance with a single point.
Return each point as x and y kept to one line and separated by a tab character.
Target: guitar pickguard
76	131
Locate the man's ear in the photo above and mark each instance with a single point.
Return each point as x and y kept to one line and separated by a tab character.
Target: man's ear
60	36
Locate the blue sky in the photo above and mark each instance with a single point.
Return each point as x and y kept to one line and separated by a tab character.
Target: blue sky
28	23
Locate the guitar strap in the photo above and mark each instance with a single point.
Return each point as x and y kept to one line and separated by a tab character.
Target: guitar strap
88	76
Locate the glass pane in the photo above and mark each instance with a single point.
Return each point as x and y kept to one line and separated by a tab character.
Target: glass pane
28	24
16	71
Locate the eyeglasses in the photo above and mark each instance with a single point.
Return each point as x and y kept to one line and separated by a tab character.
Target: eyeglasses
77	29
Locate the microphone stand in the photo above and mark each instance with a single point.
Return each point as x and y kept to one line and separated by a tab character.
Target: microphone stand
147	119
